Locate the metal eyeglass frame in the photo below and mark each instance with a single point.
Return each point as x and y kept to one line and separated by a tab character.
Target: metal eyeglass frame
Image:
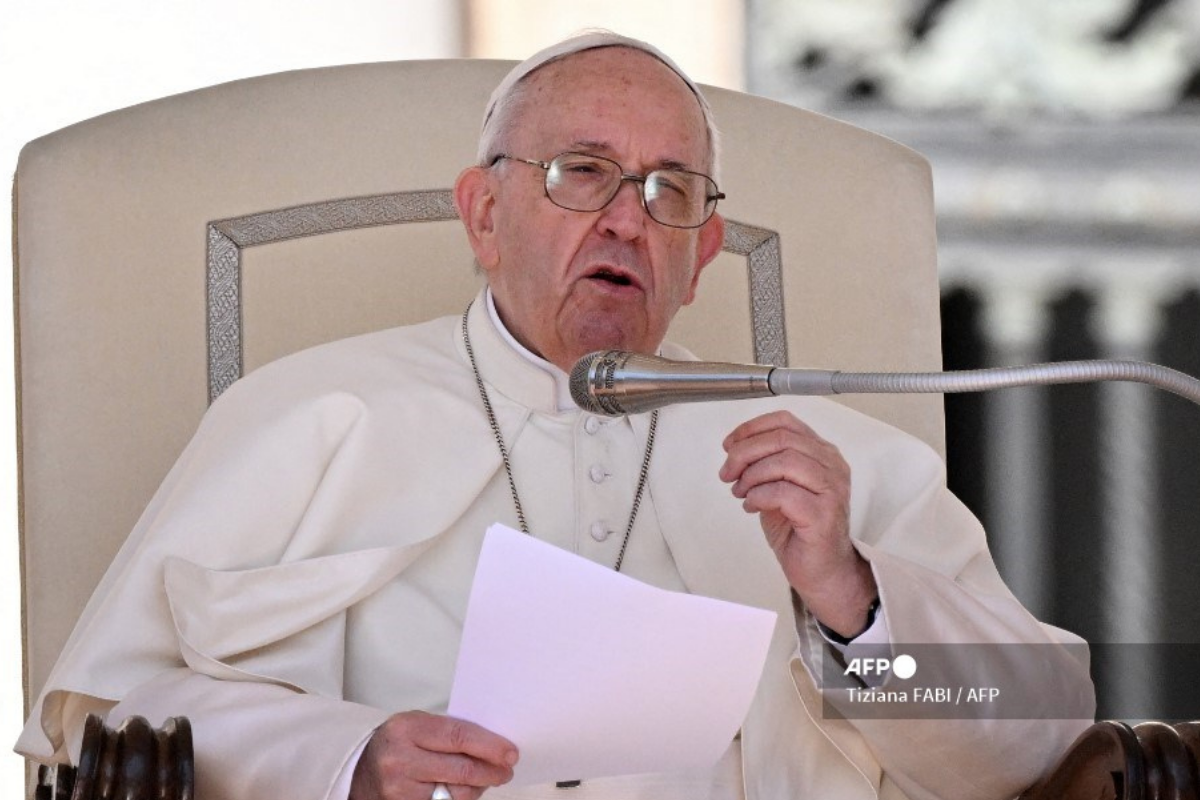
625	176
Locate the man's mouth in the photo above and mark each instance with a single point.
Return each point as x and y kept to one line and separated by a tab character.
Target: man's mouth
614	277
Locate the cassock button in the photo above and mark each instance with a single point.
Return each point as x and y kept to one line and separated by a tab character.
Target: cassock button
597	473
600	531
591	425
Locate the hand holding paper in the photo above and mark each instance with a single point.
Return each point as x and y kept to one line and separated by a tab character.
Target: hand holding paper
592	673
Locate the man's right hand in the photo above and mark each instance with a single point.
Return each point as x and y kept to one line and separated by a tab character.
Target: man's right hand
412	752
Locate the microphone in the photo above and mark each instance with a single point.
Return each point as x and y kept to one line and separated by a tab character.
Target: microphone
615	382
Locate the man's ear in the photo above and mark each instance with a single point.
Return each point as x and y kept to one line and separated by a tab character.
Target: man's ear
474	196
712	238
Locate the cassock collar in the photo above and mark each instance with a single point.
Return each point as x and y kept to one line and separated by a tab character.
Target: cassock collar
562	381
519	377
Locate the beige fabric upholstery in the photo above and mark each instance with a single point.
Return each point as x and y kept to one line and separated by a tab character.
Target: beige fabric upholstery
112	223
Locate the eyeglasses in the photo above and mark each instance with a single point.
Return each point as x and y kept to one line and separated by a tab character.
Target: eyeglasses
677	198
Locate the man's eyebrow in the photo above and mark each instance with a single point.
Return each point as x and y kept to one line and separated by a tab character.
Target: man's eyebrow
603	148
671	163
591	144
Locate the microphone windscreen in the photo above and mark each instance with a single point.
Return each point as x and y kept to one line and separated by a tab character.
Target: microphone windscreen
579	383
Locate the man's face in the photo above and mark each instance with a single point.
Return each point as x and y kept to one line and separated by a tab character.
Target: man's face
567	283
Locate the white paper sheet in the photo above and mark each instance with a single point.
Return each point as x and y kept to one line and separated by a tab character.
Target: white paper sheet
592	673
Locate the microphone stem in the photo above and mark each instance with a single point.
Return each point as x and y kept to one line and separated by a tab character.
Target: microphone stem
809	382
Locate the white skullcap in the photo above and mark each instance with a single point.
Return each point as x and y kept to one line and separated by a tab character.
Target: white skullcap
590	40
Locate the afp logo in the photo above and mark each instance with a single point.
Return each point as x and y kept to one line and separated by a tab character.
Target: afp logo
902	666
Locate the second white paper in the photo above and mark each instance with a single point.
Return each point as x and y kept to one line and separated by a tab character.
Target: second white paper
592	673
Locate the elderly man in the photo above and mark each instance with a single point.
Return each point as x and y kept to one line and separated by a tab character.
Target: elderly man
297	586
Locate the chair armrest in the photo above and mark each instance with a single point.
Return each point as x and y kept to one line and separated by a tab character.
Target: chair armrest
136	761
1112	759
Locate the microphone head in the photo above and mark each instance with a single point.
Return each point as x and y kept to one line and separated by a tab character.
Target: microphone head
593	371
617	382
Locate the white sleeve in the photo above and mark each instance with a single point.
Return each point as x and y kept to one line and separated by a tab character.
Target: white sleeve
876	633
341	787
258	740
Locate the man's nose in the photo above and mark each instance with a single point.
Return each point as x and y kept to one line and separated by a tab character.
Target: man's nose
624	217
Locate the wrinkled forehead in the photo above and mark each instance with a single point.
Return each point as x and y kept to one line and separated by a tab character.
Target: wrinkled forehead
623	105
507	102
574	46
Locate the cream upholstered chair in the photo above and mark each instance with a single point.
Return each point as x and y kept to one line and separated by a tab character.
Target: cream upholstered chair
165	249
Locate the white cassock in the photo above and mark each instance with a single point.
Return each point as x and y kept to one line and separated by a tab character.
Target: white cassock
303	572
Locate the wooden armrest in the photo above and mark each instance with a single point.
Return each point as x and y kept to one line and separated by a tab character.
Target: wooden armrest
1111	760
134	762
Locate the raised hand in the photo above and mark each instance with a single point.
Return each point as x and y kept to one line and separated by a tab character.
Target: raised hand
799	485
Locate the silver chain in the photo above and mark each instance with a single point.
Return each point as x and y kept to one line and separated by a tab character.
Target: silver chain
512	485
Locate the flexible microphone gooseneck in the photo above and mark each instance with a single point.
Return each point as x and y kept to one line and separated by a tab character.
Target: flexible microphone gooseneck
615	383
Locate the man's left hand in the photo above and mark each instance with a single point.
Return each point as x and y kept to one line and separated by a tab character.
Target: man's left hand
799	485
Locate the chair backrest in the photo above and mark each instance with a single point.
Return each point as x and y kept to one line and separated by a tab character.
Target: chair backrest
165	249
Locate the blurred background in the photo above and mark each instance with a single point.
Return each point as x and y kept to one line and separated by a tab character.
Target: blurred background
1065	143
